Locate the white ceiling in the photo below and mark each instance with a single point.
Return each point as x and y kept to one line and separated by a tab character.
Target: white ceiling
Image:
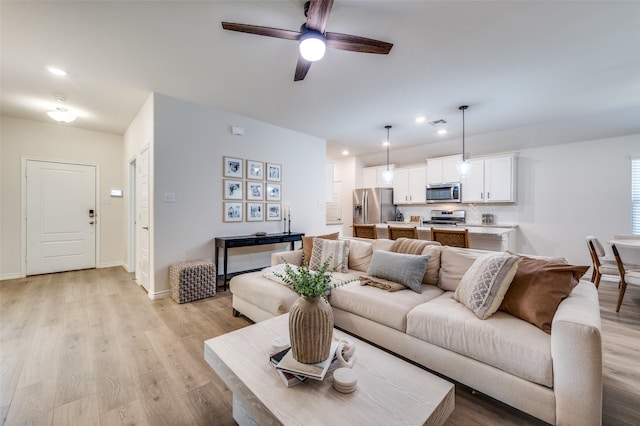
536	72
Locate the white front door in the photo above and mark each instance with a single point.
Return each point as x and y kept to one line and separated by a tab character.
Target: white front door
61	217
142	219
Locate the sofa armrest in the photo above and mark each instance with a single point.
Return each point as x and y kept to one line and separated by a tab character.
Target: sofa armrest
293	257
576	350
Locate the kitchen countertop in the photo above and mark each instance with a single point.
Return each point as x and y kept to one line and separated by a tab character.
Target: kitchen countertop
498	230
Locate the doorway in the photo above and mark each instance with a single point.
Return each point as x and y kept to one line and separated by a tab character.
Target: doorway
61	216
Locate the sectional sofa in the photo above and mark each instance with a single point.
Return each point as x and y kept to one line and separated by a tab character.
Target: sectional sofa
555	376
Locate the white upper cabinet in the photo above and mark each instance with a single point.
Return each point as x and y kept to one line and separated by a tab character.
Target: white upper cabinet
372	177
489	180
409	185
443	170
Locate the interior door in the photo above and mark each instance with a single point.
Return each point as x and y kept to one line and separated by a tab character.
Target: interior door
61	217
142	220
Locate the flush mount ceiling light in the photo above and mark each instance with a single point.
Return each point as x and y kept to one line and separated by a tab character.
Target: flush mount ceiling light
61	114
387	175
345	152
442	132
420	119
312	45
463	166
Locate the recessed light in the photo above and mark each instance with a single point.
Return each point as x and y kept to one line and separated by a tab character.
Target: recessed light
57	71
386	143
442	131
345	152
420	119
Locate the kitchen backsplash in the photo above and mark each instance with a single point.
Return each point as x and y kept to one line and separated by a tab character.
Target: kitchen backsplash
503	215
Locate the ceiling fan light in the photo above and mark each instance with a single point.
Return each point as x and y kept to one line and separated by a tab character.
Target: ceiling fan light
312	45
62	115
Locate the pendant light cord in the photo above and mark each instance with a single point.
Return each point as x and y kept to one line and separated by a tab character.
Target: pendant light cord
462	108
388	143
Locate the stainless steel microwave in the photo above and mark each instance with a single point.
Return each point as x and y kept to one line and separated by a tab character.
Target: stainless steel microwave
444	193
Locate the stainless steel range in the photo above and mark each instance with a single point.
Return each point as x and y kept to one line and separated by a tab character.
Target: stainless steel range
446	217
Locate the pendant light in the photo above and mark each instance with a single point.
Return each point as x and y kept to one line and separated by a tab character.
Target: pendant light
463	166
387	175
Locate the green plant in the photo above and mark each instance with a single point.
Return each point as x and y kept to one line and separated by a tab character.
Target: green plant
310	283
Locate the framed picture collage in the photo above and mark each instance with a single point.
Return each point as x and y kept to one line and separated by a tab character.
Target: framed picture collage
251	190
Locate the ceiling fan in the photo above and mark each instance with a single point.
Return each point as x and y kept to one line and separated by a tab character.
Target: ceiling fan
312	38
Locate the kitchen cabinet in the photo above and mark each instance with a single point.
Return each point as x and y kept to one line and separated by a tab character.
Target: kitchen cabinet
372	177
409	185
489	180
443	170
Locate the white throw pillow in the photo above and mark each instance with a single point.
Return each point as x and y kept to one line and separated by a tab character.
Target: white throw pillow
334	251
485	283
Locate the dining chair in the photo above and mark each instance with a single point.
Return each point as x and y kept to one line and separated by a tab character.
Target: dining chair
626	276
602	265
396	232
451	237
365	231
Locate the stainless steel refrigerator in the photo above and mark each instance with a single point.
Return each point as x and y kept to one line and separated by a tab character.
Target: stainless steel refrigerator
373	205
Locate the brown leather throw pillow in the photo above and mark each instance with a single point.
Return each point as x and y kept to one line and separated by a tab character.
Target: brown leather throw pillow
538	288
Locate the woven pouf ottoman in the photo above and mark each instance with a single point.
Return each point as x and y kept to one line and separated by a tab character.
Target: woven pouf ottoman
192	280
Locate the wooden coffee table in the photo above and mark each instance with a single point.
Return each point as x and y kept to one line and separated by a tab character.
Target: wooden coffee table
390	390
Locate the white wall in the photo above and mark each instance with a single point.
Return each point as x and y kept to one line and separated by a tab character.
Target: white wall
189	143
38	140
567	192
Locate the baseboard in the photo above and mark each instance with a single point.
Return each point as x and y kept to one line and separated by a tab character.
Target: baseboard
10	276
159	295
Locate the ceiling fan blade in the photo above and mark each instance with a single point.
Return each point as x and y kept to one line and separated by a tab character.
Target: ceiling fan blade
357	44
302	68
318	14
263	31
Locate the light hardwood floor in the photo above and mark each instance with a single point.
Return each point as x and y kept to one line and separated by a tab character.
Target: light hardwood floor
89	347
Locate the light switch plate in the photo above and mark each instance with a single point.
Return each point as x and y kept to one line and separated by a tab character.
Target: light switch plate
169	197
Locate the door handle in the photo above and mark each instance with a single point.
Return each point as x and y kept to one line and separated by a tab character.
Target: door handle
91	222
146	228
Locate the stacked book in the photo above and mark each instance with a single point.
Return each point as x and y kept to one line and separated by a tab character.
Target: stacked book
293	372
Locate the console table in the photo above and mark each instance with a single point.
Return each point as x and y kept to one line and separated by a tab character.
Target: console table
226	243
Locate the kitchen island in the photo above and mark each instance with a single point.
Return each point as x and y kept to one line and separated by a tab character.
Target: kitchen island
482	237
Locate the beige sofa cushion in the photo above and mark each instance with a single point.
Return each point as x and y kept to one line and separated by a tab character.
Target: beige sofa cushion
382	244
431	275
387	308
503	341
267	295
454	263
360	255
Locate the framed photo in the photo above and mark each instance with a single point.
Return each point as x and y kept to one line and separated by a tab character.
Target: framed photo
232	167
255	170
274	211
232	189
274	172
232	212
255	212
273	192
255	191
